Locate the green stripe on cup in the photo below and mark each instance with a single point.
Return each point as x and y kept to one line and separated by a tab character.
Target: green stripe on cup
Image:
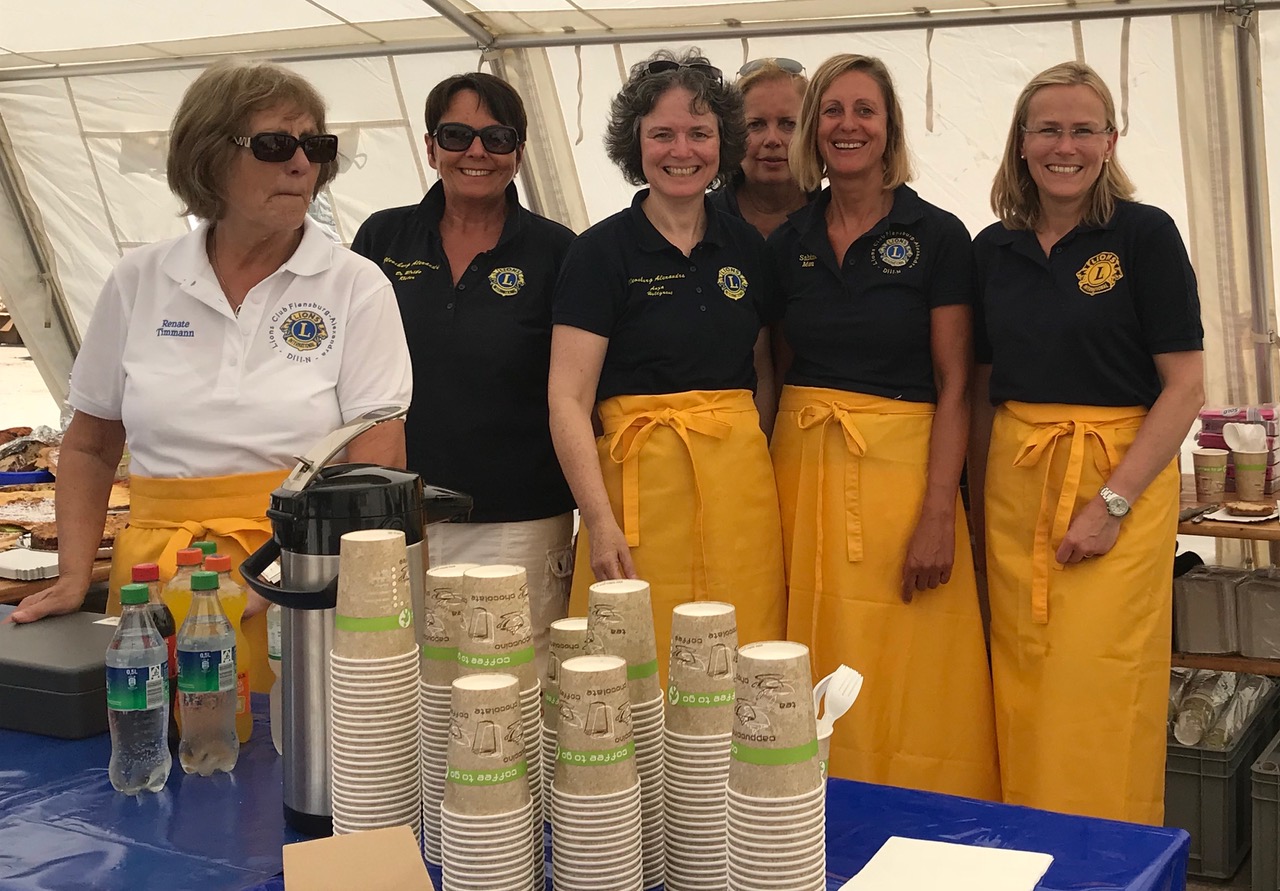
1242	466
773	757
551	698
699	700
487	777
643	670
375	623
496	660
445	654
598	758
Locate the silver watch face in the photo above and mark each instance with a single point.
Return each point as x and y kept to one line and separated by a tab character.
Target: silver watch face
1117	505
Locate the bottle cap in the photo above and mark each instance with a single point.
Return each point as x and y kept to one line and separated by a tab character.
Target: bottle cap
190	557
218	563
146	572
135	593
206	547
204	581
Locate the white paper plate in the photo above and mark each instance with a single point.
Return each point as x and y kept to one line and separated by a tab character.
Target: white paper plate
1222	515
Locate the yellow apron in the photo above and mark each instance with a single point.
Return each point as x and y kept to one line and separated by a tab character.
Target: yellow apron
1080	653
690	483
168	514
851	471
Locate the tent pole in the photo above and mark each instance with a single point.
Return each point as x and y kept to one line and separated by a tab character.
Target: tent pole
462	22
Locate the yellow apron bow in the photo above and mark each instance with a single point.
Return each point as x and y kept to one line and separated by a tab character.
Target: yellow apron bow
249	533
1053	521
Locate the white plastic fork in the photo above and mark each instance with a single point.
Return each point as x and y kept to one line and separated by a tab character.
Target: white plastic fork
842	688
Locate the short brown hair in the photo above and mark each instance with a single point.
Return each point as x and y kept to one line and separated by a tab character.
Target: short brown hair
804	158
497	97
1014	196
217	107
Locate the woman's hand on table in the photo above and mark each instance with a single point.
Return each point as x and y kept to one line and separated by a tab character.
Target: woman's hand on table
63	596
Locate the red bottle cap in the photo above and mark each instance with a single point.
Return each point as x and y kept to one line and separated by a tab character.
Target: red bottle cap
146	572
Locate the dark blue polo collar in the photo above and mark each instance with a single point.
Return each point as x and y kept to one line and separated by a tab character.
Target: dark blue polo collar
649	239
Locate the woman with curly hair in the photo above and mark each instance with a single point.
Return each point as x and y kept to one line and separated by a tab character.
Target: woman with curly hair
660	322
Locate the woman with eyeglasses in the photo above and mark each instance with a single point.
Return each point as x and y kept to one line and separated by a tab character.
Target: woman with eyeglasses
222	354
870	439
660	316
1089	349
473	271
762	191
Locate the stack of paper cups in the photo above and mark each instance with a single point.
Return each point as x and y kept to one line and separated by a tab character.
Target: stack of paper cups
498	636
776	835
620	623
373	670
438	634
595	796
568	639
486	818
700	696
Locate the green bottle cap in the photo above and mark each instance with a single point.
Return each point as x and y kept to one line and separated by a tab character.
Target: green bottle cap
204	581
207	547
134	593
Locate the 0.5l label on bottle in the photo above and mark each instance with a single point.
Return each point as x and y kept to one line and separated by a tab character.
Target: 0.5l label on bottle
206	671
137	689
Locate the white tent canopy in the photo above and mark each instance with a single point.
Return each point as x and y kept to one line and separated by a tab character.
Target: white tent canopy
88	88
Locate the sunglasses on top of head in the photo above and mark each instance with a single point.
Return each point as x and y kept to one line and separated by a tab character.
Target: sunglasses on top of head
657	66
319	149
497	139
791	66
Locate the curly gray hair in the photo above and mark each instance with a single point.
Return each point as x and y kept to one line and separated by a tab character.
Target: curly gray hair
643	90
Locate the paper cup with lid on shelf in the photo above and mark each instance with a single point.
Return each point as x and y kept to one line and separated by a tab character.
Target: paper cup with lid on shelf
374	614
1210	473
1250	474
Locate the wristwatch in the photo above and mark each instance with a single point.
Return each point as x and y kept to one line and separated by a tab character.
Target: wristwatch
1117	505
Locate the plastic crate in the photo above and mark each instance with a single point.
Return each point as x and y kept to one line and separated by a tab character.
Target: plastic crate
1266	819
1208	793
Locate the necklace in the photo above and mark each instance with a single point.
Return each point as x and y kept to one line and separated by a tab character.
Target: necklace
217	273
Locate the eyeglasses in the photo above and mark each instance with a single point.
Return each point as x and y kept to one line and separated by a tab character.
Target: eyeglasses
277	147
1077	134
791	66
657	66
497	139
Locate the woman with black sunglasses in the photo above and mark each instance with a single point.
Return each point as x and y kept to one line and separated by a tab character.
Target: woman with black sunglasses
222	354
473	271
660	318
762	191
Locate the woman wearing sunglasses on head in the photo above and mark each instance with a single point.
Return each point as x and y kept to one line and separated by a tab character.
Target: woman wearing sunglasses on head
763	191
660	317
870	438
1089	347
473	272
222	354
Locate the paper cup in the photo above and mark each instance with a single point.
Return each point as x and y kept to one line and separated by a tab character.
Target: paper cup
1251	474
487	770
568	639
704	654
774	753
497	632
620	623
440	624
374	615
1211	473
595	754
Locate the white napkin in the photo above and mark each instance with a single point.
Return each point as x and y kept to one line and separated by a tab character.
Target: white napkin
912	863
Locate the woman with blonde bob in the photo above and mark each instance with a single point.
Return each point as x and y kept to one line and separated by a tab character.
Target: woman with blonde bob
870	440
1089	347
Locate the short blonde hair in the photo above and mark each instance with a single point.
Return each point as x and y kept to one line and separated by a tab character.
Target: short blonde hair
217	107
803	156
1015	199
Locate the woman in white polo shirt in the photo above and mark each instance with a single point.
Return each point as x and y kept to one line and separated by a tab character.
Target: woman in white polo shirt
222	354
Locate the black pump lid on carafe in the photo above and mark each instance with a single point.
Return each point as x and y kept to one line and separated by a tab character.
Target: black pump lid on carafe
344	498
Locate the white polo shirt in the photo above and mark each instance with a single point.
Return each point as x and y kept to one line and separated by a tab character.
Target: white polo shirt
204	392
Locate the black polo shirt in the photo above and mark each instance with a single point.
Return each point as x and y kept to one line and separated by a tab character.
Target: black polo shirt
725	198
674	323
863	325
481	351
1080	326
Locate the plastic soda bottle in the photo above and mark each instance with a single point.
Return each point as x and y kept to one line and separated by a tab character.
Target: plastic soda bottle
274	658
149	574
207	682
137	698
176	593
234	600
208	548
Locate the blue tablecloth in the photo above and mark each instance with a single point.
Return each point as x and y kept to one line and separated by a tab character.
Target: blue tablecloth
63	827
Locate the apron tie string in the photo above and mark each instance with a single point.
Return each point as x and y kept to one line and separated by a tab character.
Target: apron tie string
246	532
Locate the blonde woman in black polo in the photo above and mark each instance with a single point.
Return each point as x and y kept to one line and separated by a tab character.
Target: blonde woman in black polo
660	317
870	439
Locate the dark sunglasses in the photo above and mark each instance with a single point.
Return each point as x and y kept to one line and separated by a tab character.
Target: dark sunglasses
497	139
658	66
791	66
319	149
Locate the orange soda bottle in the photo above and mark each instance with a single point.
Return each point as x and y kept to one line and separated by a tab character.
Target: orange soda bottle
234	600
176	593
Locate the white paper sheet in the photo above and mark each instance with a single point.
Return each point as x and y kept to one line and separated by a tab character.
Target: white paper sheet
910	864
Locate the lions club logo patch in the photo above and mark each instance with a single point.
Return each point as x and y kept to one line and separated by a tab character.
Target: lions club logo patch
304	330
732	282
1099	273
896	251
506	281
